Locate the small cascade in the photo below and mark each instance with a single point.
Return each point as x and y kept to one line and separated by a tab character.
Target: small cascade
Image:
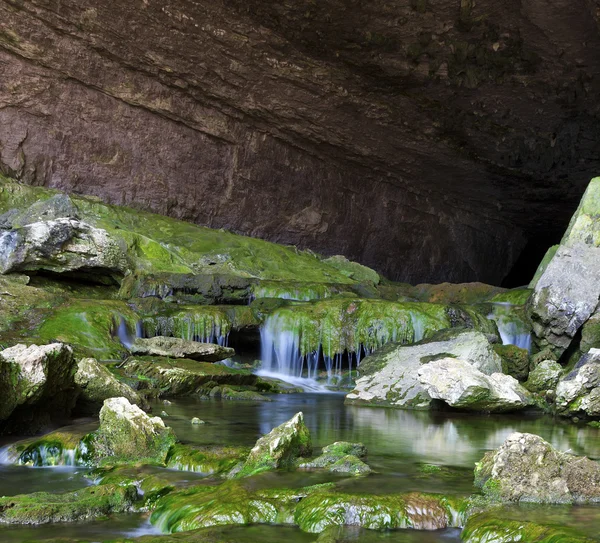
8	455
512	325
197	326
332	336
49	456
122	332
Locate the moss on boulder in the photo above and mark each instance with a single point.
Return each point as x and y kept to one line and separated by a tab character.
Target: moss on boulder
180	348
207	459
127	435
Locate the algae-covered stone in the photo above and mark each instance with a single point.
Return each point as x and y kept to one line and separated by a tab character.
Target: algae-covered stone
227	393
279	448
127	434
340	457
36	385
320	510
515	361
62	245
578	392
184	377
353	270
390	375
88	503
97	384
463	386
59	448
206	459
492	527
544	376
181	348
528	469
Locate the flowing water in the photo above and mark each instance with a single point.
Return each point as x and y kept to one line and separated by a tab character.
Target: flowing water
403	446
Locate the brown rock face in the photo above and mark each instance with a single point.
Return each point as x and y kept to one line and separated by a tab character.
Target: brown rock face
428	140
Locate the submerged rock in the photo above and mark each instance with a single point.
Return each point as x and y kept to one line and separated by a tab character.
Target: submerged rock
126	434
493	528
206	459
181	348
390	375
227	393
567	290
97	384
528	469
279	448
36	385
578	392
62	245
84	504
463	386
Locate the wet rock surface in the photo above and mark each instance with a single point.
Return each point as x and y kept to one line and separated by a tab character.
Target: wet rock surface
578	392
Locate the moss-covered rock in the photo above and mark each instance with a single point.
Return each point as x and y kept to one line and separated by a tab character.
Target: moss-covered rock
353	270
96	384
278	449
340	457
59	448
207	459
488	527
88	503
180	348
578	392
322	509
457	293
544	376
36	386
228	393
184	377
515	361
127	435
515	296
528	469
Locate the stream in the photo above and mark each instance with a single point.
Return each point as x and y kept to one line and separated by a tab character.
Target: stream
408	451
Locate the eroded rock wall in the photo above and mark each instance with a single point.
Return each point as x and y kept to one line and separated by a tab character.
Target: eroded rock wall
427	141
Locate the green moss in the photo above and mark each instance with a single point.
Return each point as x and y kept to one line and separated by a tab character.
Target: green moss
58	448
515	361
44	508
89	326
516	296
208	459
488	527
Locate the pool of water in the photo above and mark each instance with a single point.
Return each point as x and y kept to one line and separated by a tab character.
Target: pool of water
402	446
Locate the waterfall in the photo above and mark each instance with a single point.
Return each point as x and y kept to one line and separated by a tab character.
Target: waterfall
512	325
302	293
123	334
7	455
202	327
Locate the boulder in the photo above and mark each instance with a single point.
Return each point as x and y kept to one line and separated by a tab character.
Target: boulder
515	361
525	468
60	246
58	206
97	384
36	386
578	392
340	457
279	448
566	289
463	386
181	348
390	375
544	376
127	434
353	270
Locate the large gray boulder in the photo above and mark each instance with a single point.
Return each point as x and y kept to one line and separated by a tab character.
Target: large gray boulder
525	468
280	448
390	375
36	385
97	384
61	245
180	348
567	287
578	392
127	434
463	386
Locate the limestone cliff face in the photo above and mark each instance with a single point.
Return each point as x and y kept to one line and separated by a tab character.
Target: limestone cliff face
426	139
